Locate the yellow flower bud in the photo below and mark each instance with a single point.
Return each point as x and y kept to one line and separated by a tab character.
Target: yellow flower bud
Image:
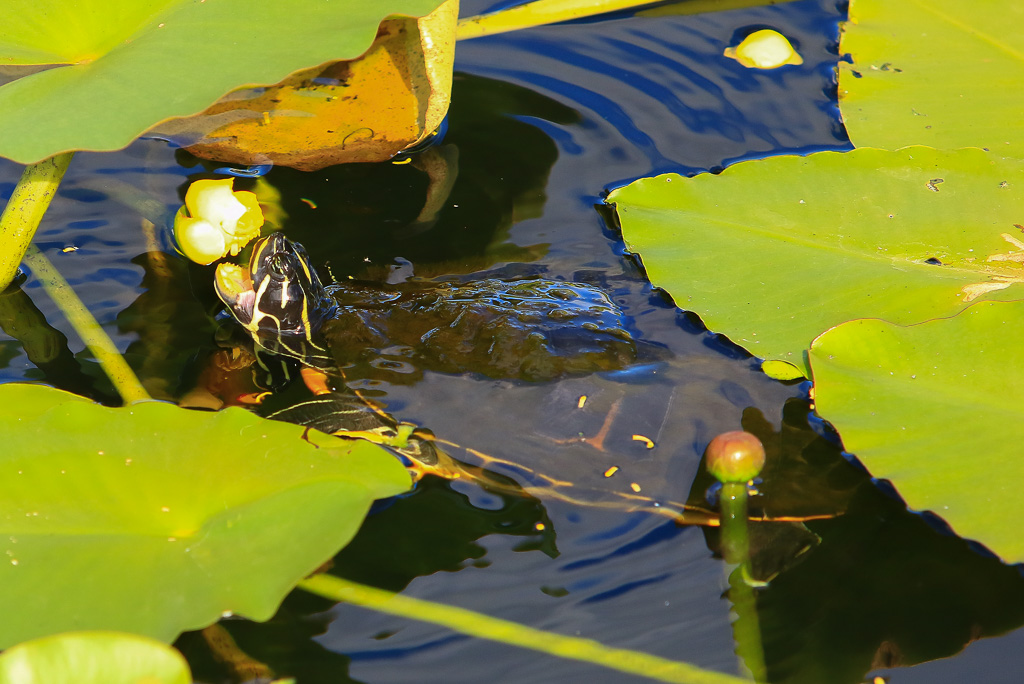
216	220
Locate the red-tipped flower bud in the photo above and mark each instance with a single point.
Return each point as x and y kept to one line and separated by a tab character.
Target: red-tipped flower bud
735	456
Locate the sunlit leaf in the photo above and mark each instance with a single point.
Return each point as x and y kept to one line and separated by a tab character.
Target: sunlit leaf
363	110
937	409
121	66
776	251
938	72
93	658
154	519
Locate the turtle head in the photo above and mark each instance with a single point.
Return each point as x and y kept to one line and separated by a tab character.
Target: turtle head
280	295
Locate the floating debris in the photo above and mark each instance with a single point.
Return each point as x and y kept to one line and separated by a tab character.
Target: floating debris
647	441
765	49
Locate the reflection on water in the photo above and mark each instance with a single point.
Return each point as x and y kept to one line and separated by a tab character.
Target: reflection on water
542	123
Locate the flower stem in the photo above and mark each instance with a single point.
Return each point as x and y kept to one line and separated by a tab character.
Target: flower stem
25	210
506	632
736	550
539	13
735	539
543	12
99	343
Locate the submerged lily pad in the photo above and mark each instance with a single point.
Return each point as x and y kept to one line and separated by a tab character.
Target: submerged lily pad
153	519
114	68
93	658
937	409
776	251
940	73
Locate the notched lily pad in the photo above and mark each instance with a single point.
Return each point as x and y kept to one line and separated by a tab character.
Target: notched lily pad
154	519
776	251
121	66
937	409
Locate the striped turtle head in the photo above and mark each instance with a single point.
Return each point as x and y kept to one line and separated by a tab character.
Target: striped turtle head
280	298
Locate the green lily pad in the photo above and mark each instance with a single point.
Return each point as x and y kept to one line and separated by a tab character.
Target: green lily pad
93	658
121	66
938	410
153	519
776	251
938	72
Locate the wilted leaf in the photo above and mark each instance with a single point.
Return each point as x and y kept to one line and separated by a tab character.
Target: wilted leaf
93	658
937	409
121	66
776	251
943	73
154	519
363	110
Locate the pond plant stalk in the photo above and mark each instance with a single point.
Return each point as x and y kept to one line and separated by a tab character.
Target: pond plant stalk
482	626
22	215
88	328
736	550
734	459
25	209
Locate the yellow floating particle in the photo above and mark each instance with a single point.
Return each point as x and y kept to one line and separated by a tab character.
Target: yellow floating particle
311	203
765	49
878	680
645	440
266	118
539	527
399	162
611	471
582	401
635	487
69	248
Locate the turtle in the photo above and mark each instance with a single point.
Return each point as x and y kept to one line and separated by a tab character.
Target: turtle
531	329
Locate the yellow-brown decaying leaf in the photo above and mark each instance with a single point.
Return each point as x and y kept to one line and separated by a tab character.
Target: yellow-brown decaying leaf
362	110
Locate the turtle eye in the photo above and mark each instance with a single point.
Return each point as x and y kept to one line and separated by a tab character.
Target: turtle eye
278	265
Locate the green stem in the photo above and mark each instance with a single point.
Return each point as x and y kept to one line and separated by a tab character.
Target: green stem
25	210
543	12
99	343
486	627
735	540
539	13
736	550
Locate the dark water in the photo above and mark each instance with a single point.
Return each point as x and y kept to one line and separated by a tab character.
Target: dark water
543	123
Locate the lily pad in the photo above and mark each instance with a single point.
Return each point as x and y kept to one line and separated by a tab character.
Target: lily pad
153	519
942	73
93	658
774	252
938	410
363	110
117	67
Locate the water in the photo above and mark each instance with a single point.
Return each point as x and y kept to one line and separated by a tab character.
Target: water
543	123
